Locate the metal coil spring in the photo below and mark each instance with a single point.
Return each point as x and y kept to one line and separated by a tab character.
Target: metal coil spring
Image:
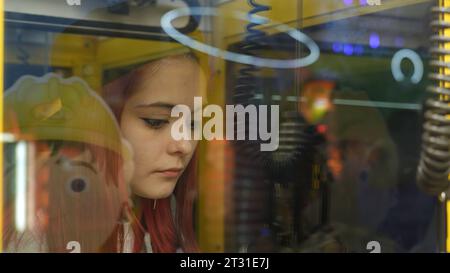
246	85
245	89
246	81
250	192
297	139
432	175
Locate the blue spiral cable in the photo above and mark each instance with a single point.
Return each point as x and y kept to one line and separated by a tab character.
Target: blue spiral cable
246	81
248	164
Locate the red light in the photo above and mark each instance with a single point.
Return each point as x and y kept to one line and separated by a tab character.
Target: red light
321	129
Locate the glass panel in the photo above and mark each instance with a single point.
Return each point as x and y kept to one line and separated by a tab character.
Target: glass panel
224	126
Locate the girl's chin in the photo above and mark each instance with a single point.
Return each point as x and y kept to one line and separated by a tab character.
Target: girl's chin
157	191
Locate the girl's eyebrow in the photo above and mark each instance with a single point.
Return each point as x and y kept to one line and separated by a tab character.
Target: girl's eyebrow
157	104
165	105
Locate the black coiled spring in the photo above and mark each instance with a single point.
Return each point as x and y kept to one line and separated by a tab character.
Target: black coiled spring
247	79
297	140
433	170
250	191
253	42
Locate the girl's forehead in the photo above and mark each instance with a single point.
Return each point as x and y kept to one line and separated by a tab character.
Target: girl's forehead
174	81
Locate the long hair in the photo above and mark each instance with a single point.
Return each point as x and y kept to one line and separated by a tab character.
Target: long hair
168	232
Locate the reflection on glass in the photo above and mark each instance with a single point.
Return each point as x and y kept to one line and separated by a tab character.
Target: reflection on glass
342	180
65	169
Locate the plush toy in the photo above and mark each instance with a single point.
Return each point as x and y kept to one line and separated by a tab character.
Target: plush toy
70	194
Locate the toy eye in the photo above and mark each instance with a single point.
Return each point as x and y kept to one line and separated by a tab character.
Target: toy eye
77	185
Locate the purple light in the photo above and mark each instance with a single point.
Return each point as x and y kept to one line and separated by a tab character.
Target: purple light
359	50
337	47
265	232
399	41
348	49
348	2
363	2
374	40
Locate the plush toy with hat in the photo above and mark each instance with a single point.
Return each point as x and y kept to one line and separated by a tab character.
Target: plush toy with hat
77	190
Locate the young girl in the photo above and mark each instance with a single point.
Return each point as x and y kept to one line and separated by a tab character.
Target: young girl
164	180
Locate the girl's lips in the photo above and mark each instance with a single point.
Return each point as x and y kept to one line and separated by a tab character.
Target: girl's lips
170	173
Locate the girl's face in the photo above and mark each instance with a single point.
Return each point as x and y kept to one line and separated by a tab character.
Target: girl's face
146	123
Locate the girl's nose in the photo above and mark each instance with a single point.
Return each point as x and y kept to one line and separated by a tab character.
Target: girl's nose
180	147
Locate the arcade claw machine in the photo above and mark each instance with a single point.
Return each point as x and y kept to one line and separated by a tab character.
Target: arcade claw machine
331	123
362	159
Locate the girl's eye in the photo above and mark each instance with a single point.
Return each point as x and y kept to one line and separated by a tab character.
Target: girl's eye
155	123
